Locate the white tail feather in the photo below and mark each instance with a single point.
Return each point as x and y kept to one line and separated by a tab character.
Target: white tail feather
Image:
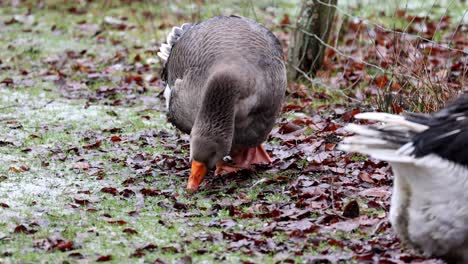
363	140
406	149
378	153
165	48
162	56
167	96
371	141
172	37
361	130
185	26
390	119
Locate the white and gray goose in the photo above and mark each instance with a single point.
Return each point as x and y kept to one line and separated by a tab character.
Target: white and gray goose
226	80
429	157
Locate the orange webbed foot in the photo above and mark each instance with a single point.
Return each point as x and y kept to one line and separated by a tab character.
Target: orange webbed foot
243	159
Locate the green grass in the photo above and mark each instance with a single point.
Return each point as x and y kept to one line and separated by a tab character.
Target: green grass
358	157
46	130
27	193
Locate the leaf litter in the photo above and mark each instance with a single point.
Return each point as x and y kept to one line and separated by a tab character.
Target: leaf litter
88	158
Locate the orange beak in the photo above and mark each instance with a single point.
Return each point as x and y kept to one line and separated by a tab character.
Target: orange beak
197	173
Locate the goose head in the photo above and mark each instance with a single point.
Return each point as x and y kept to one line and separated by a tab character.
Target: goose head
204	154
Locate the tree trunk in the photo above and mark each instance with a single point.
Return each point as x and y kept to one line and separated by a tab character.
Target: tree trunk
306	50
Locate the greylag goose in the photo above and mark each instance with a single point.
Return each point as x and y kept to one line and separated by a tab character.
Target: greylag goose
429	157
225	81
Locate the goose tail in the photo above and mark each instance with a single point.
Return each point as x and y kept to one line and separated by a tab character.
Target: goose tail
389	140
172	37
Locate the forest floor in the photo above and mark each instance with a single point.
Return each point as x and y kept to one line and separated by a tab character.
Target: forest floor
90	169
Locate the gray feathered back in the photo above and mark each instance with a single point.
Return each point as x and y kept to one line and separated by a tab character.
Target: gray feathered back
226	43
222	38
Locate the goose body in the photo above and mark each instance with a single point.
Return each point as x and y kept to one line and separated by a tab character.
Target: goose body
429	157
225	84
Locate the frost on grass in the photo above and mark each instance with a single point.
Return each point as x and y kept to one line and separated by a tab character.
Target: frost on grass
43	125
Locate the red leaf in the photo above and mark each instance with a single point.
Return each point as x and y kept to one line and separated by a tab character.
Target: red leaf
138	79
21	229
351	210
331	126
130	231
64	245
381	81
291	107
133	213
137	58
82	201
127	193
76	255
94	145
285	21
117	222
104	258
397	108
7	81
110	190
348	116
288	128
273	213
364	176
116	139
150	192
180	206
